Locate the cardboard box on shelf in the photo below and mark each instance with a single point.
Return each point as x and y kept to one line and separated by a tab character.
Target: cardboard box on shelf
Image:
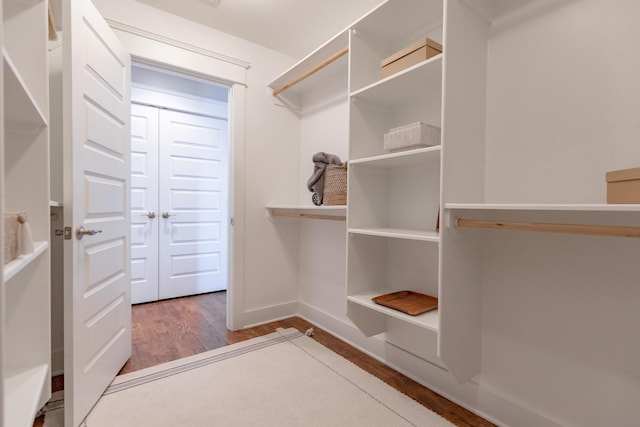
623	186
409	56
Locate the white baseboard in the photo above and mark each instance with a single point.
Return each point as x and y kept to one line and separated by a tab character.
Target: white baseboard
489	404
272	313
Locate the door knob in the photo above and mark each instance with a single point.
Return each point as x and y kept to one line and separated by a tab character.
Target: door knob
151	215
81	232
167	215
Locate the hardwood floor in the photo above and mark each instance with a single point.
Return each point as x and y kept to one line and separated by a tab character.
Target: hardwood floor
168	330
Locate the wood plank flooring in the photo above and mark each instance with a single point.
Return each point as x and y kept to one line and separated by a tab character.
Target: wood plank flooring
168	330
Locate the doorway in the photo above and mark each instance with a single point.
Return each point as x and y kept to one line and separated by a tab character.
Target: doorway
179	185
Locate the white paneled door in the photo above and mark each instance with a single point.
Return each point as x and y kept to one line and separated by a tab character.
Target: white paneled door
97	303
144	203
179	225
193	204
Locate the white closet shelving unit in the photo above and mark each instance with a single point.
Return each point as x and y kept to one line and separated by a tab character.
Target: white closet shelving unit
508	161
327	64
394	198
514	150
25	376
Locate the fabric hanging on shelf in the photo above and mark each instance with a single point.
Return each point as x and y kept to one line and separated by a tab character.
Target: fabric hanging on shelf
315	184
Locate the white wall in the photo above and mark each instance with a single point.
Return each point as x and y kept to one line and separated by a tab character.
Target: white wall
271	147
566	111
322	254
559	313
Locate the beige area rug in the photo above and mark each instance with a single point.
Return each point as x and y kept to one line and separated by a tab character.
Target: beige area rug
281	379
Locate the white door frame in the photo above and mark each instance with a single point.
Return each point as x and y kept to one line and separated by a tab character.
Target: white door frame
161	51
162	99
235	245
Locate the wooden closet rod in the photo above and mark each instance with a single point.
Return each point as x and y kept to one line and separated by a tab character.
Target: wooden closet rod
53	34
310	216
597	230
311	71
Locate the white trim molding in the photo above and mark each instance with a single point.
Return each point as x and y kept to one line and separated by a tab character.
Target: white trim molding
176	43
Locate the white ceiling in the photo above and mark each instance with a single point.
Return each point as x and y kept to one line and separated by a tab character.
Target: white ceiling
294	27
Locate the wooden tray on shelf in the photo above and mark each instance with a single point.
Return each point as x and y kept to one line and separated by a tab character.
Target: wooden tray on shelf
409	302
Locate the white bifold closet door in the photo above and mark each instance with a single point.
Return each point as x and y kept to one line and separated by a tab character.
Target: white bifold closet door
179	204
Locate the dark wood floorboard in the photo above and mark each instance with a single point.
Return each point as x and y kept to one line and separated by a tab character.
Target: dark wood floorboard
167	330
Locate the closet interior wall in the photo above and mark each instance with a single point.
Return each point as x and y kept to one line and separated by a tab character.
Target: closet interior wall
321	245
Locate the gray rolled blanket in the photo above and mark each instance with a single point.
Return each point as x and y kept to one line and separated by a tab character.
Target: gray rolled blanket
315	184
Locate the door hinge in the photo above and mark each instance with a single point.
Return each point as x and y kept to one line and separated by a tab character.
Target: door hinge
231	221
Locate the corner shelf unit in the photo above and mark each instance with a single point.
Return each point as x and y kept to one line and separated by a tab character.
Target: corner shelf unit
25	292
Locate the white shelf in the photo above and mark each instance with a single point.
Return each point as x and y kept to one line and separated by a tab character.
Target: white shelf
406	86
21	262
596	214
396	233
543	207
23	113
400	159
589	219
55	204
23	390
429	320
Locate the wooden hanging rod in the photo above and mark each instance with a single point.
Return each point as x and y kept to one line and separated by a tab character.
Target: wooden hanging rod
53	34
312	71
309	216
597	230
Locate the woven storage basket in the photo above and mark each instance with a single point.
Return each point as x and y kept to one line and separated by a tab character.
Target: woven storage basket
335	185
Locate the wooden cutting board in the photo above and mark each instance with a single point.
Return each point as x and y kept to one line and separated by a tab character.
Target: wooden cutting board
412	303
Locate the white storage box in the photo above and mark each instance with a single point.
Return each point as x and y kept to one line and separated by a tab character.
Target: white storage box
414	135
